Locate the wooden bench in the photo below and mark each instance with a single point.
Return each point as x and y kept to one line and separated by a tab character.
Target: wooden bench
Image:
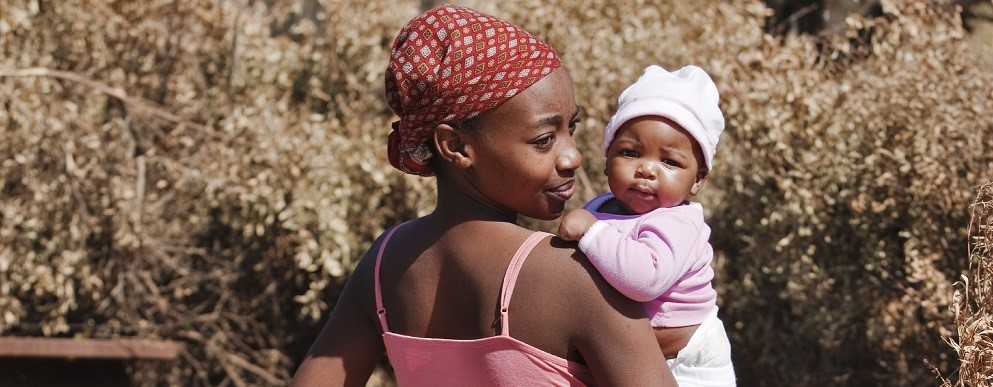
64	362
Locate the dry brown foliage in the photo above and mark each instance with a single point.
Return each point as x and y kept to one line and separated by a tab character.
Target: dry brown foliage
198	170
973	301
210	171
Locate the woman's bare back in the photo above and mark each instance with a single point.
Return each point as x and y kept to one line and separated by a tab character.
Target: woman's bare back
447	284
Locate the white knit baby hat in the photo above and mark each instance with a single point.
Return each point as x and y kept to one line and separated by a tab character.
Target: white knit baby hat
686	96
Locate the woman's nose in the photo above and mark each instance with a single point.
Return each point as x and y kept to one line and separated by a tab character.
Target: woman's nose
569	158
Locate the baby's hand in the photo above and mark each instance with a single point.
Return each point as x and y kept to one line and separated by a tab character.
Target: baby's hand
575	223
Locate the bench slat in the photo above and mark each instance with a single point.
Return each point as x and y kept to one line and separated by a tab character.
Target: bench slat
46	347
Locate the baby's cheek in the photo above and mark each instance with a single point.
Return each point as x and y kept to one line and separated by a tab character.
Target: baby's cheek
671	199
658	169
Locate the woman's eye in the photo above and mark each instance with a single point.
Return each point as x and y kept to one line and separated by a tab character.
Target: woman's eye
629	153
572	127
545	142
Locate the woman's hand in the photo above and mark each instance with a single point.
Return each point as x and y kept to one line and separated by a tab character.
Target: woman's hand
575	223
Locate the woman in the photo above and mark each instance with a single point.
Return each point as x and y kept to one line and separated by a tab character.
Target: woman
488	110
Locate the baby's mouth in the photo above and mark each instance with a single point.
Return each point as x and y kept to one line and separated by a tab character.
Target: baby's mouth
643	190
643	194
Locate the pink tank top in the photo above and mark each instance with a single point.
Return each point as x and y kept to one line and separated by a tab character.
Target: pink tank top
490	361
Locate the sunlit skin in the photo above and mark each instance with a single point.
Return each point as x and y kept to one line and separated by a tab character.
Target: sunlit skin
520	158
651	163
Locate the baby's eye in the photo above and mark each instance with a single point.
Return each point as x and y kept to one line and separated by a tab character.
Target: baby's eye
671	162
628	153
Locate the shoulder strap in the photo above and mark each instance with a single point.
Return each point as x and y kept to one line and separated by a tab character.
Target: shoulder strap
380	310
510	277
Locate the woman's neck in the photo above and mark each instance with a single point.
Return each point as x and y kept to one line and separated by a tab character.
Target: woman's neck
460	203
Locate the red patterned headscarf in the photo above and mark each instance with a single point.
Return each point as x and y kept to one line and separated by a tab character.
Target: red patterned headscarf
449	65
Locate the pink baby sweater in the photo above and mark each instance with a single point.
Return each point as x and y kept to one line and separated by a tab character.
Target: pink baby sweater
661	258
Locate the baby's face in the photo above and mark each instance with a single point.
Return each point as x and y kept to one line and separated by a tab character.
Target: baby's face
653	163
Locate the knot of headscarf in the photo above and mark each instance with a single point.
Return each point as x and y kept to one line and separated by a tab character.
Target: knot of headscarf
450	64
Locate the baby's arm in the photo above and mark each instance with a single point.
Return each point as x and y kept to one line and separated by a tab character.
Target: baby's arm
575	223
647	262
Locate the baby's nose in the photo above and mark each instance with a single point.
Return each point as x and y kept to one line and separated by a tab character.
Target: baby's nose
647	170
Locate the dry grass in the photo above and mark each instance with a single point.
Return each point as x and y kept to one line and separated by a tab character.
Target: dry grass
973	305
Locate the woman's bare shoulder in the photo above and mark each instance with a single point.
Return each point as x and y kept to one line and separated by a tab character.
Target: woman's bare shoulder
567	272
361	281
609	331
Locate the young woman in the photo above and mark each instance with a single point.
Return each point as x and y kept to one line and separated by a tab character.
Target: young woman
464	296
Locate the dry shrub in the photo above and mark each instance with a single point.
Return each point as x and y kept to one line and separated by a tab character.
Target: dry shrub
840	194
973	305
200	171
854	159
209	171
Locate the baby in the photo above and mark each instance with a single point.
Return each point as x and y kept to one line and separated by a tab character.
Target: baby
644	236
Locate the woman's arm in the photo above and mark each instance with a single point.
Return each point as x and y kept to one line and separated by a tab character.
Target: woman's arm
350	345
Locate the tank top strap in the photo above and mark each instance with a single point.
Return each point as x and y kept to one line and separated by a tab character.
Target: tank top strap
510	277
380	309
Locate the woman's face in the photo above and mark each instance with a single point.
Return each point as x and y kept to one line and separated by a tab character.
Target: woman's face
525	154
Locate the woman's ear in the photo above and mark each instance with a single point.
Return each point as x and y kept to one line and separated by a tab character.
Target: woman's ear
450	145
701	180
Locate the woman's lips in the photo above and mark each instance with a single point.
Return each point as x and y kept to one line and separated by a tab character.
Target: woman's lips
563	191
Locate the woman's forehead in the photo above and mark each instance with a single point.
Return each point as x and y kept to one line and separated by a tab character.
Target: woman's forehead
545	100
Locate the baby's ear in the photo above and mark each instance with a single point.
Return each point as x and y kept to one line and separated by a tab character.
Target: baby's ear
701	180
